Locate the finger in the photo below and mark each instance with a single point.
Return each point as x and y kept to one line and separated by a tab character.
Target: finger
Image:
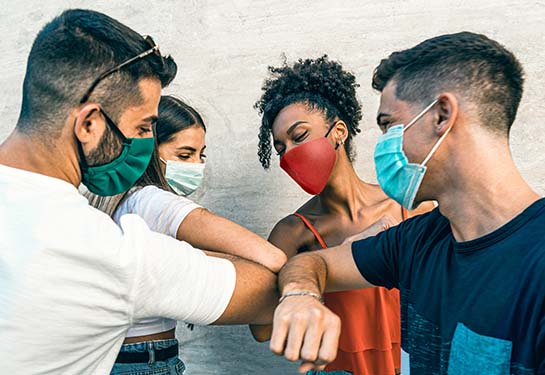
330	341
295	339
312	339
308	366
279	333
388	221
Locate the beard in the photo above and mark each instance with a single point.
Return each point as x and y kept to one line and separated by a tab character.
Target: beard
109	147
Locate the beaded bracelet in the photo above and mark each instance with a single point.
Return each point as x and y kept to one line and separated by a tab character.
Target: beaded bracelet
301	293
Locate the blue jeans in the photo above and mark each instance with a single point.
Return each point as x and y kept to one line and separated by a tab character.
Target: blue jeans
172	366
328	373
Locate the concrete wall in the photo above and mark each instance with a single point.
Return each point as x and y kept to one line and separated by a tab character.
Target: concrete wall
223	49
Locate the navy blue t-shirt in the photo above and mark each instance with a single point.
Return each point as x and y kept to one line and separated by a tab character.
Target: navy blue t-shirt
475	307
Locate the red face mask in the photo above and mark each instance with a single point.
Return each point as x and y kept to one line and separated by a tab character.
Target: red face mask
310	164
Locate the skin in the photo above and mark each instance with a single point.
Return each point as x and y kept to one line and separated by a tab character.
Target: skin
346	206
255	292
187	145
470	175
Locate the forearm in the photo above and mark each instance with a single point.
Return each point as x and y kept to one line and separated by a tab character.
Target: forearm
304	272
206	230
255	295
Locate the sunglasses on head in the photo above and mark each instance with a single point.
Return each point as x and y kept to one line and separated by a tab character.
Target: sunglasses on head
154	49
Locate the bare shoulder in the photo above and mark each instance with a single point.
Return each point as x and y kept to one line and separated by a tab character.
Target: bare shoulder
289	234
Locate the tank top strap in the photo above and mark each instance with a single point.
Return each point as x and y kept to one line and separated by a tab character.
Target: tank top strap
312	229
404	213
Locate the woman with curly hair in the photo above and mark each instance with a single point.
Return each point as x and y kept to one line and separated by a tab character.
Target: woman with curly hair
311	111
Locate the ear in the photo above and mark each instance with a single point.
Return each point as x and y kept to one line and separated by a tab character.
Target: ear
89	125
340	133
447	109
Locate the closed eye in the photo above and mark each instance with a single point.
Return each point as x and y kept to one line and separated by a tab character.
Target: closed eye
301	137
144	130
184	156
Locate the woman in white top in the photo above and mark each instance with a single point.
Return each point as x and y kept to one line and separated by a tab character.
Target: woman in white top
176	170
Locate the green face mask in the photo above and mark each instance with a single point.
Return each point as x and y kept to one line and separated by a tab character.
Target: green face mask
120	174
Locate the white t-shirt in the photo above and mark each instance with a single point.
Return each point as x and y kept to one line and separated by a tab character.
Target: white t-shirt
72	282
163	212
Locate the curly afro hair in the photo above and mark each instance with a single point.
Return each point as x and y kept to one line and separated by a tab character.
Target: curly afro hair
320	84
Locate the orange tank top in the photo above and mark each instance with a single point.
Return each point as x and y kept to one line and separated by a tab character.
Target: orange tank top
370	340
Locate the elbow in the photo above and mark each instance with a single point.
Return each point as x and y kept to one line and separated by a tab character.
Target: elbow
261	333
278	260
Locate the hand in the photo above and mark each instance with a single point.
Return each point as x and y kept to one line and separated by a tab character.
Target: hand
305	329
385	222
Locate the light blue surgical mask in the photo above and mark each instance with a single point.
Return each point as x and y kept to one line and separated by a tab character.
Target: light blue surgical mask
398	178
183	177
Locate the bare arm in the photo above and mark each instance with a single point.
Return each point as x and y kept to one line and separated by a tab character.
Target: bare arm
263	333
284	235
303	328
205	230
255	295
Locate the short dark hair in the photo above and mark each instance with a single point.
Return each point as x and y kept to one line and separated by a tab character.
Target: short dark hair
472	65
69	53
321	84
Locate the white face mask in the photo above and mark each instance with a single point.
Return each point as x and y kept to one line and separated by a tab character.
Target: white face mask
184	178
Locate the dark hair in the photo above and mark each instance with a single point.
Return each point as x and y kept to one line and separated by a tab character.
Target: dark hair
69	53
174	116
472	65
320	84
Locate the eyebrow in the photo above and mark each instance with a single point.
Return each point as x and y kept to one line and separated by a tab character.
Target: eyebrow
152	119
294	125
186	148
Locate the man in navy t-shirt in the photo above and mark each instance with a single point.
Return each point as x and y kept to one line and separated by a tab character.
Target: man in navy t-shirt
472	272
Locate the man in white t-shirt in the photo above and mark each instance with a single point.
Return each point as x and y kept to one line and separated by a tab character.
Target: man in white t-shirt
72	282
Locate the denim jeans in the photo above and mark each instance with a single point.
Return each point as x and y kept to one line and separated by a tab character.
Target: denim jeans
328	373
171	366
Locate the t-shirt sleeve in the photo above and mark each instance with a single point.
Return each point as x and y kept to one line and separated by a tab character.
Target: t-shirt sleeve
377	258
171	279
386	259
163	211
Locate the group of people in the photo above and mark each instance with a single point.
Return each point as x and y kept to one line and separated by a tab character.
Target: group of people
102	252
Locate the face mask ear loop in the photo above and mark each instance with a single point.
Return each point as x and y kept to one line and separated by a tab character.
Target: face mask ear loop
329	131
418	116
436	146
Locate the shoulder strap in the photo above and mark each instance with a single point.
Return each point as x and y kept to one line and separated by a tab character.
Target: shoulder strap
312	229
404	213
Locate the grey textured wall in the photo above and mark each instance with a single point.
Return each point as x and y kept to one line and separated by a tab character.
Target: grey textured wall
223	49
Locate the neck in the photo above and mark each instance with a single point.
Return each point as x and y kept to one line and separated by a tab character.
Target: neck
345	192
483	191
57	160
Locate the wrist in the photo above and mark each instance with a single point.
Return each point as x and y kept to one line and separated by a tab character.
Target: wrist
298	286
299	293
